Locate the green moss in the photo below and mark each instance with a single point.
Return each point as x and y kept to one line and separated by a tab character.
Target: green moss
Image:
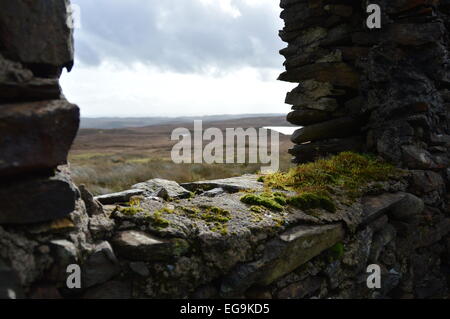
257	209
134	207
279	222
190	211
216	214
157	219
267	200
315	182
166	210
307	201
337	251
130	211
220	228
348	171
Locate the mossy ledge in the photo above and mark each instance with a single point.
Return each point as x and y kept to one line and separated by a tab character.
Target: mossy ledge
314	183
348	171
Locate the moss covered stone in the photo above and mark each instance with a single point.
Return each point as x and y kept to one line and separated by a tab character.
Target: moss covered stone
314	182
268	200
307	201
348	171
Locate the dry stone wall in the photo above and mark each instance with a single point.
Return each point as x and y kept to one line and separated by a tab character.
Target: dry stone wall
380	91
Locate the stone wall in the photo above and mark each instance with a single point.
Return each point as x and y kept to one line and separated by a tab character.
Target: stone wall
381	91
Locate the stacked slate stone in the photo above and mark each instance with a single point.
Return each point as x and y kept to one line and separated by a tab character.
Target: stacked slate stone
38	124
378	90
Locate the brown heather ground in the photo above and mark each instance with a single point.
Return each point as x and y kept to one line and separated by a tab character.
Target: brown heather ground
113	160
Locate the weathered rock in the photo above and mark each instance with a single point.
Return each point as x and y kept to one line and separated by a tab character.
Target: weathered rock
341	127
46	199
65	253
140	246
10	287
36	136
323	104
311	90
311	151
25	37
231	185
120	197
18	84
380	240
33	90
415	34
307	117
93	207
301	289
281	256
430	186
163	188
101	226
356	253
214	192
100	266
140	268
417	158
409	207
339	74
375	206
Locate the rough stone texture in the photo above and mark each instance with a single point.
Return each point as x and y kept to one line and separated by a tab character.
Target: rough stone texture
36	135
163	188
231	185
120	197
397	75
42	39
47	198
140	246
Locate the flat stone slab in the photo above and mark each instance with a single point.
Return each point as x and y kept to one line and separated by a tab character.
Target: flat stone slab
162	188
282	255
140	246
36	135
120	197
231	185
47	199
375	206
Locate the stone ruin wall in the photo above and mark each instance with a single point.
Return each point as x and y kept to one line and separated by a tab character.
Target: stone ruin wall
383	91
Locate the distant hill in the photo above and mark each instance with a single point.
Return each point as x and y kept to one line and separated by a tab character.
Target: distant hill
119	122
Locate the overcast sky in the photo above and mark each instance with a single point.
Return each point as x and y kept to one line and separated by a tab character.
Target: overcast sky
177	57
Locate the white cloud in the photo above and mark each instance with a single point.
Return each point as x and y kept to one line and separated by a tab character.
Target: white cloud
112	90
177	57
226	6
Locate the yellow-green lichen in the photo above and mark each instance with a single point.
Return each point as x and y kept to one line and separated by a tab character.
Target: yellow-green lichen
220	228
216	214
133	208
279	222
158	220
